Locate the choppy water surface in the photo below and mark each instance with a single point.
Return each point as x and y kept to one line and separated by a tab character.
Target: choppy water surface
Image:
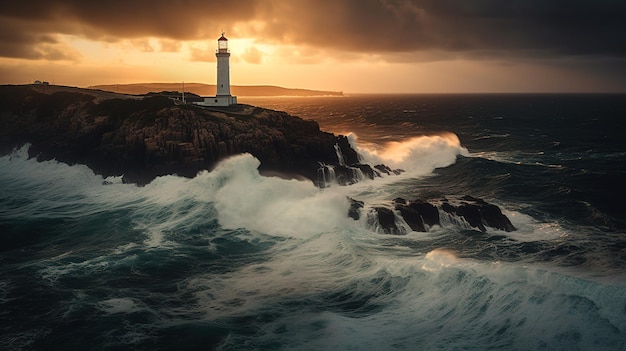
231	260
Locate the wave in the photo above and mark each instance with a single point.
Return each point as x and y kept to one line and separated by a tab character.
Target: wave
417	155
235	189
235	197
354	299
516	158
50	188
244	198
278	264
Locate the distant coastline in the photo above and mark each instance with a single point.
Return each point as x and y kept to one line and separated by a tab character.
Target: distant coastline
210	89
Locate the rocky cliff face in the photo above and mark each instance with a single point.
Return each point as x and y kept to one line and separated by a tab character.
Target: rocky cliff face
149	137
142	138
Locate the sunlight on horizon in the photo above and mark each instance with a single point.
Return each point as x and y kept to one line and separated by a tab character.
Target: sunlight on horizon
152	60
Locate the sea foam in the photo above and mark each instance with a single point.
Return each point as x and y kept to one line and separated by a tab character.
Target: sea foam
417	155
244	198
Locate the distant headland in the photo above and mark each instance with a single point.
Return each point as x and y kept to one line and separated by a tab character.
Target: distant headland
210	89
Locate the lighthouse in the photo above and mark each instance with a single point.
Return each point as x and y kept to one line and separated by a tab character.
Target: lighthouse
223	67
223	97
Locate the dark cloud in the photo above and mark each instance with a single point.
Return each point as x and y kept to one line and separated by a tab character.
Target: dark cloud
548	27
30	41
183	19
25	26
477	28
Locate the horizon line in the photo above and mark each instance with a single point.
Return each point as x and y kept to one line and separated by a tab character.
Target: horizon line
345	93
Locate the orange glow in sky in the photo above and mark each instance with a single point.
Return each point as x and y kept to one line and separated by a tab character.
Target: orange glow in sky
369	46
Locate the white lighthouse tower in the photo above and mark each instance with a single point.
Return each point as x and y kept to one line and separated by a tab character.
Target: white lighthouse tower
223	97
223	67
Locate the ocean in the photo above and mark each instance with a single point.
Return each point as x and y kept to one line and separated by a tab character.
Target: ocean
231	260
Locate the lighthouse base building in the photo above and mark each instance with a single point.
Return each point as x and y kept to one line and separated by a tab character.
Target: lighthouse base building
223	97
218	101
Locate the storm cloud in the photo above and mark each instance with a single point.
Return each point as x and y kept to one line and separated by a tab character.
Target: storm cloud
477	28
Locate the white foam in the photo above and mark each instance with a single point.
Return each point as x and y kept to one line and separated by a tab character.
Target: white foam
59	190
426	299
439	259
272	205
55	268
119	305
242	198
417	155
295	268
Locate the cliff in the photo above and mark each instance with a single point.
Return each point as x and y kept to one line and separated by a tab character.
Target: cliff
145	137
142	138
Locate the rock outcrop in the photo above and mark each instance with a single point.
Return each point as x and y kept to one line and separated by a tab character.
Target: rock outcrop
478	213
419	215
142	138
404	216
145	137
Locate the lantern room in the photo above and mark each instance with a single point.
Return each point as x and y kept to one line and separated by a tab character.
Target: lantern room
222	44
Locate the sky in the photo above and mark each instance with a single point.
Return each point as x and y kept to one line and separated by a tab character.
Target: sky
354	46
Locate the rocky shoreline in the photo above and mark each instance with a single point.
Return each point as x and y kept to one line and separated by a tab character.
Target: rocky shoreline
143	138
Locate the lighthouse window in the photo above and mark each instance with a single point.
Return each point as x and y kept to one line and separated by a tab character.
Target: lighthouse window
215	100
222	85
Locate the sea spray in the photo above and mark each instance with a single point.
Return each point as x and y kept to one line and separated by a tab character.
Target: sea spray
340	158
272	205
419	155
